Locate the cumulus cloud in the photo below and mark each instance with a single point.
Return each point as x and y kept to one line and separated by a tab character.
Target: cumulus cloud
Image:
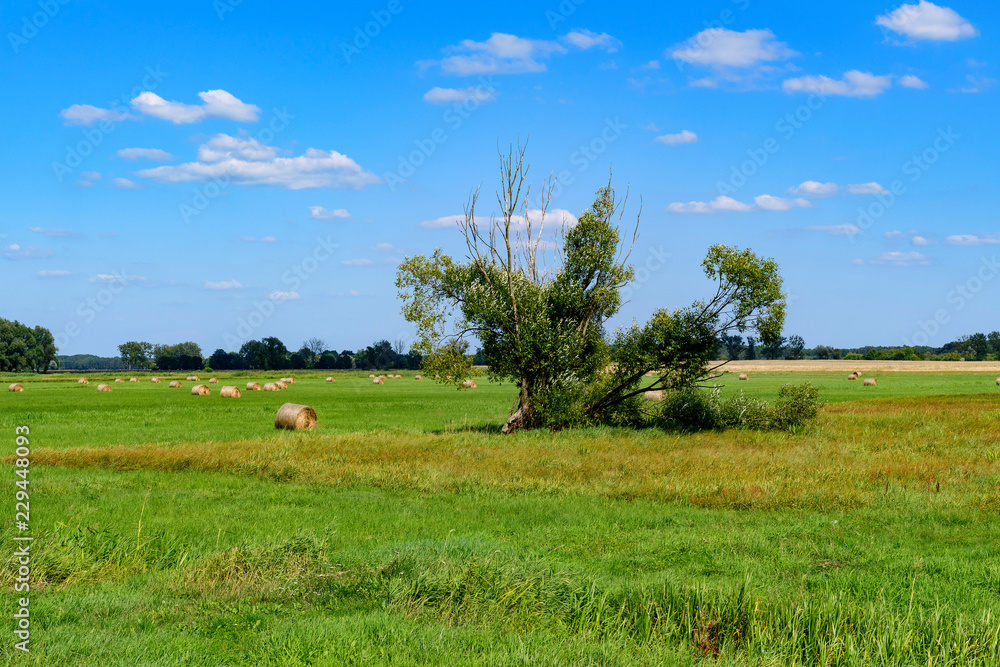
113	278
836	230
927	21
320	213
357	262
481	94
587	39
88	115
145	154
911	81
223	284
912	235
853	84
500	54
125	184
872	188
53	232
555	218
215	104
387	247
682	137
15	251
973	239
249	162
900	258
53	273
723	204
814	189
718	47
283	296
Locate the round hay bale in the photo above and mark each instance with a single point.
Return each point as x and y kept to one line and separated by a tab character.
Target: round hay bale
852	376
370	376
155	380
200	390
133	379
378	380
288	380
331	379
192	378
15	387
998	382
119	380
744	376
270	386
83	381
253	386
399	377
871	382
656	395
281	384
295	417
213	380
104	387
470	384
418	377
175	384
230	392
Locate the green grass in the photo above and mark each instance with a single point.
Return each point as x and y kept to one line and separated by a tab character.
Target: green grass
173	529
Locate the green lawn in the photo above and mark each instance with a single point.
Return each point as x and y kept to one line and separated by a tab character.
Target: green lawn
404	530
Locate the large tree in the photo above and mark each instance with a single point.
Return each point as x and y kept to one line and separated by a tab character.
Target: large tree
541	316
136	354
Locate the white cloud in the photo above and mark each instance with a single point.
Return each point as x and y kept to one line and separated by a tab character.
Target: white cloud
919	240
814	189
724	204
651	126
444	222
911	81
682	137
718	47
387	247
973	239
500	54
283	296
53	273
249	162
587	39
976	84
352	292
223	284
15	251
216	104
252	239
899	258
53	232
853	84
872	188
481	94
557	217
87	178
927	21
85	114
837	230
113	278
320	213
125	184
357	262
145	154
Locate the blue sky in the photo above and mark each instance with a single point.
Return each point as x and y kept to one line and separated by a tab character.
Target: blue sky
217	171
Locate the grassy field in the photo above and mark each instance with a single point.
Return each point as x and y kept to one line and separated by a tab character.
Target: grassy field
174	529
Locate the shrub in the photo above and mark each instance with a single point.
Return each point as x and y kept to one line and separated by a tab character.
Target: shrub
690	409
694	409
853	356
796	405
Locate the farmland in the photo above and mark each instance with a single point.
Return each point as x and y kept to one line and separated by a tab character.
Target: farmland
178	529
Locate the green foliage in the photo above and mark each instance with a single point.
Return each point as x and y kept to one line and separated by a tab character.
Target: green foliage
692	409
826	352
853	356
136	354
25	349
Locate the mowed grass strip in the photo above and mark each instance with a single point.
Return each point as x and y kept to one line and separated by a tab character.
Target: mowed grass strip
945	450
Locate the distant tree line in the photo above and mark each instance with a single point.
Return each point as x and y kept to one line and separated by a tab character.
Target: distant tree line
977	347
25	349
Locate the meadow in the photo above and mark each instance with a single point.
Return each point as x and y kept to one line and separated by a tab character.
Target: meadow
173	529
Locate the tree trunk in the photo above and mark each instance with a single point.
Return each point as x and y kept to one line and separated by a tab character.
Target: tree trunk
522	410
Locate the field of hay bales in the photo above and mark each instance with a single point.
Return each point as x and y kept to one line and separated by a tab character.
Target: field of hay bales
403	529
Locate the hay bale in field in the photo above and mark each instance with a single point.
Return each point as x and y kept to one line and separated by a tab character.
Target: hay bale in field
744	376
470	384
200	390
253	386
83	381
192	378
656	395
15	387
230	392
281	384
871	382
155	380
852	376
331	379
133	379
288	380
998	382
295	417
370	376
270	386
104	387
119	380
378	380
213	380
175	384
399	377
418	377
